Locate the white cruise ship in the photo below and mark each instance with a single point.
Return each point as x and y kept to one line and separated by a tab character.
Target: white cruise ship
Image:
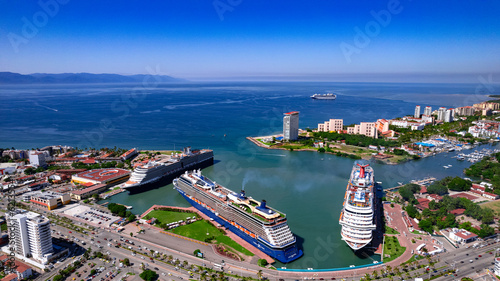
358	214
171	165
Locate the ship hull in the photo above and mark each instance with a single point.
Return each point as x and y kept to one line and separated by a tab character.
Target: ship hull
166	179
316	98
285	255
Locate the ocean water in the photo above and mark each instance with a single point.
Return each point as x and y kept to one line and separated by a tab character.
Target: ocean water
307	186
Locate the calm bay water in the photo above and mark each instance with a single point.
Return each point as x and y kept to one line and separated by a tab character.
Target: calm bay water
308	187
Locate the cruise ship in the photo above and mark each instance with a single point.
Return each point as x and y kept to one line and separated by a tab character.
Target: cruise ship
328	96
258	224
169	167
358	214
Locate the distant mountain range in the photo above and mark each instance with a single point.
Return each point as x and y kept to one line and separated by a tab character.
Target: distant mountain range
69	78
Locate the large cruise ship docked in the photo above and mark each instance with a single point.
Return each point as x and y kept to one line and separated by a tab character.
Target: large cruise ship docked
254	221
169	167
358	214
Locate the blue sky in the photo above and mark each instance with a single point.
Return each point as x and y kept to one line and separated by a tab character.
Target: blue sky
221	39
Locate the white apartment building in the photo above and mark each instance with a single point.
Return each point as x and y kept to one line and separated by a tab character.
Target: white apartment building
37	158
31	234
417	112
428	111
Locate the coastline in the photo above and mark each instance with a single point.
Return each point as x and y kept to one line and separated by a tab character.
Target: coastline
364	157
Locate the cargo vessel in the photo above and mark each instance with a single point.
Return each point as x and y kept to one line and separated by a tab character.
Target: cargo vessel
255	222
358	216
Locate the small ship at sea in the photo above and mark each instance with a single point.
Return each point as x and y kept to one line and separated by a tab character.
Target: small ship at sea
147	174
255	222
328	96
358	214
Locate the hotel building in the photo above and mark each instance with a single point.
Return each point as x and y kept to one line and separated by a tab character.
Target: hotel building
334	125
291	126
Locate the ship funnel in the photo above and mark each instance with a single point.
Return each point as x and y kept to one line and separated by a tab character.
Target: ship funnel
187	150
263	204
242	194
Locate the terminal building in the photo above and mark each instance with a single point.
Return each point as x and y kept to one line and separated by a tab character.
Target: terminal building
32	236
108	176
48	199
81	194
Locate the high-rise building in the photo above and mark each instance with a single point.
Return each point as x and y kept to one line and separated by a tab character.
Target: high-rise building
291	126
417	111
31	234
441	113
37	158
334	125
448	116
497	266
428	111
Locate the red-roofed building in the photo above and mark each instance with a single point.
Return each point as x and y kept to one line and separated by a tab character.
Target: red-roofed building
462	236
423	189
457	212
490	195
464	195
422	204
89	161
435	197
129	154
23	271
477	187
104	176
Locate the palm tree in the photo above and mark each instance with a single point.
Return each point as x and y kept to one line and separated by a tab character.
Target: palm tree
259	274
185	263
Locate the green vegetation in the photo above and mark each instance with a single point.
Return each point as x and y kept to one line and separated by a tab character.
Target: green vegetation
487	169
389	230
121	211
164	216
392	248
204	231
262	262
149	275
407	191
438	215
356	140
485	230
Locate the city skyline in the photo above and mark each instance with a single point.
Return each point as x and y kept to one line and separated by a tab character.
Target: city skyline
381	41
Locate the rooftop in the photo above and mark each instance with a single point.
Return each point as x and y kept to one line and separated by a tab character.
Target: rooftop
88	189
103	174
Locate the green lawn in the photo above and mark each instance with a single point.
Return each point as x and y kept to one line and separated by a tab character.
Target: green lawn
199	229
389	230
392	248
164	216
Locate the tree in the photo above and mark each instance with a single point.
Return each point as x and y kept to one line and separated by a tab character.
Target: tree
126	262
259	274
131	234
262	262
412	211
459	184
437	188
149	275
426	225
58	278
407	191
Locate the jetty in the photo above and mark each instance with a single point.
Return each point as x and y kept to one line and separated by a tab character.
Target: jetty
425	181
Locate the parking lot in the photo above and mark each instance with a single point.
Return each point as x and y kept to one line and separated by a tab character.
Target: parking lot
90	215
